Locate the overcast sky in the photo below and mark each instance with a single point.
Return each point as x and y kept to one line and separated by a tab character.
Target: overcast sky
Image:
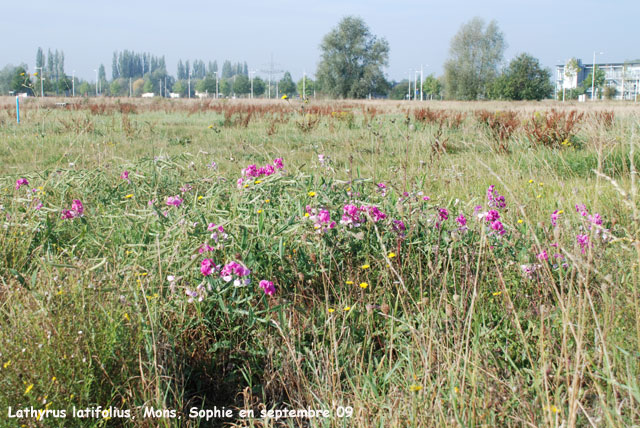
418	32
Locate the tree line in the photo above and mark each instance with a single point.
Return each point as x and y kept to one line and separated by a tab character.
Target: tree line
352	65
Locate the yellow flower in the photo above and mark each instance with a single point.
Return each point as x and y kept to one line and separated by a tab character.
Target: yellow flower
540	184
349	282
35	74
129	196
331	310
7	364
561	212
29	388
530	181
126	316
258	181
266	201
455	389
415	388
200	197
259	211
554	409
284	97
53	379
312	194
365	266
519	221
391	255
363	285
539	196
306	214
347	308
210	126
497	293
246	185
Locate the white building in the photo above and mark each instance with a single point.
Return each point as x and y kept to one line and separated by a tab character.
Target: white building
624	77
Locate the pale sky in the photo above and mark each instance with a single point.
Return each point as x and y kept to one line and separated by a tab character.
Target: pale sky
418	32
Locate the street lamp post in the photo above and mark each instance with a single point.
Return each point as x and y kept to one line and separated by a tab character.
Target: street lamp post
41	85
217	92
251	73
73	83
593	77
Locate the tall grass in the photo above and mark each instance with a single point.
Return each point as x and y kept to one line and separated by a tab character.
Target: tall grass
433	324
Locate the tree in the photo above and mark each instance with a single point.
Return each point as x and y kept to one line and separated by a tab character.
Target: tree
20	81
225	87
180	87
309	87
39	58
523	79
399	90
138	85
258	86
241	85
352	61
475	54
598	81
181	74
286	85
432	87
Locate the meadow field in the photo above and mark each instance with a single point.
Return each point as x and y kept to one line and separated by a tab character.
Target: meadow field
395	264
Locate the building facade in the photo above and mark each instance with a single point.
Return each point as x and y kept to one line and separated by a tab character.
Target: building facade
623	77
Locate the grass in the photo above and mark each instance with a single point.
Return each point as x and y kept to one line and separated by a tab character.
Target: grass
434	325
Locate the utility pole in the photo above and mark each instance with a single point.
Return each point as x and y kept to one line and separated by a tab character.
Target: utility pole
422	83
73	83
217	92
593	76
415	85
304	88
271	71
41	85
189	84
251	73
96	81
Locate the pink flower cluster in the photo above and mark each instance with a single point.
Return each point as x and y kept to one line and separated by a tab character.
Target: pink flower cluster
321	219
233	269
218	232
253	171
554	218
268	287
175	201
382	188
353	215
21	182
125	176
494	199
492	217
207	267
77	210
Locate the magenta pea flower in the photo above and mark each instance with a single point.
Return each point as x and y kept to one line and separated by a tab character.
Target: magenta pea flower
498	227
583	240
543	256
124	175
462	220
207	267
21	182
268	287
77	210
174	200
554	218
278	163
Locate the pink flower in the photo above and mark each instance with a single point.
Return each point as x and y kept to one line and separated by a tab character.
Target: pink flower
492	215
174	200
498	227
462	220
583	240
77	206
204	248
207	266
268	287
554	218
21	182
125	175
443	214
543	256
77	210
494	199
278	163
